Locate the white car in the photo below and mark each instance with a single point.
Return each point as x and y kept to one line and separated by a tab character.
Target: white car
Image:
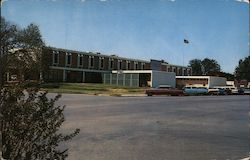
235	91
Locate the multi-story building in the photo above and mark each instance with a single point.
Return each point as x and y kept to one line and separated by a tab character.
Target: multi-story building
74	66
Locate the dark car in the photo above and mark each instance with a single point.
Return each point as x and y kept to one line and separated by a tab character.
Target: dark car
164	90
247	91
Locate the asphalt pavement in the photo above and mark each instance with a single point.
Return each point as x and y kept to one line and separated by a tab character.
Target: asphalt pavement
157	128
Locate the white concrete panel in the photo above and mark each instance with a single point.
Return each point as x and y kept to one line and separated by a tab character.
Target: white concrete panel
163	78
217	81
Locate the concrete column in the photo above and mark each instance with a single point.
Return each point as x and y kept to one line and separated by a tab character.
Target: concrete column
117	79
83	77
124	80
131	79
64	75
110	80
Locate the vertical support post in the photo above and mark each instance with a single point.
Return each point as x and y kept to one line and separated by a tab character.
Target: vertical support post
124	80
110	80
138	79
117	79
104	78
131	79
64	75
83	77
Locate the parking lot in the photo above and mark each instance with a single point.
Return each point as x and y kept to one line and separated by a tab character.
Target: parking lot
157	128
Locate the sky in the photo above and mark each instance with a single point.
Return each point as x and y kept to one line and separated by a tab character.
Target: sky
141	29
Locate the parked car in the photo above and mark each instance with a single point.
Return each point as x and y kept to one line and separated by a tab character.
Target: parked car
241	90
228	91
195	90
164	90
247	91
234	90
216	91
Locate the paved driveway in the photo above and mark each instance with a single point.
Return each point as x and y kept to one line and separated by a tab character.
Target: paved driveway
157	128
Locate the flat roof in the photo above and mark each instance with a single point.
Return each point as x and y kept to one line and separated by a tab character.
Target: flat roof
98	54
140	71
131	71
173	65
197	77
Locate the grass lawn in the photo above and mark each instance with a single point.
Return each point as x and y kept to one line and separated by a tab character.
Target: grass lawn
90	88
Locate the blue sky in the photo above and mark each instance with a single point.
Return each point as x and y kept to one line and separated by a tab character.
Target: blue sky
142	29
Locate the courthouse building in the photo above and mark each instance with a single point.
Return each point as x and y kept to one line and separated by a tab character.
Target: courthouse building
88	67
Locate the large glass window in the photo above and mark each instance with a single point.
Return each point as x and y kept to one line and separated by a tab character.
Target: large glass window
101	61
142	66
135	65
91	61
80	60
128	65
120	64
68	59
111	63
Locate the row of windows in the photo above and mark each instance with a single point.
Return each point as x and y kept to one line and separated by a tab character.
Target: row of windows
179	71
68	60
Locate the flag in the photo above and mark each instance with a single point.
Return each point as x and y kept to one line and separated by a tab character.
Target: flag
186	41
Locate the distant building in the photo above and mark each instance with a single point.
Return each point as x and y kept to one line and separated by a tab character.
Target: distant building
238	84
200	81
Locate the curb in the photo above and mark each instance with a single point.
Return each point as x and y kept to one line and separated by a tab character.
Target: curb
133	95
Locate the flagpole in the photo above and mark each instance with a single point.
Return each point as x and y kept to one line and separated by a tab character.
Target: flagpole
185	42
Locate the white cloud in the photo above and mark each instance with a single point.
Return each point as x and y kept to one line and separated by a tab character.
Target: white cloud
103	0
83	0
244	1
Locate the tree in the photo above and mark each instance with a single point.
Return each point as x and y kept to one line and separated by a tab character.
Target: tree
8	33
30	124
196	66
210	65
242	71
46	60
228	76
203	67
23	50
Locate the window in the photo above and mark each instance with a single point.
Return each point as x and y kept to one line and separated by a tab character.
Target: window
91	61
135	65
169	69
128	65
185	72
80	60
101	62
55	57
111	63
142	66
68	59
179	71
120	64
